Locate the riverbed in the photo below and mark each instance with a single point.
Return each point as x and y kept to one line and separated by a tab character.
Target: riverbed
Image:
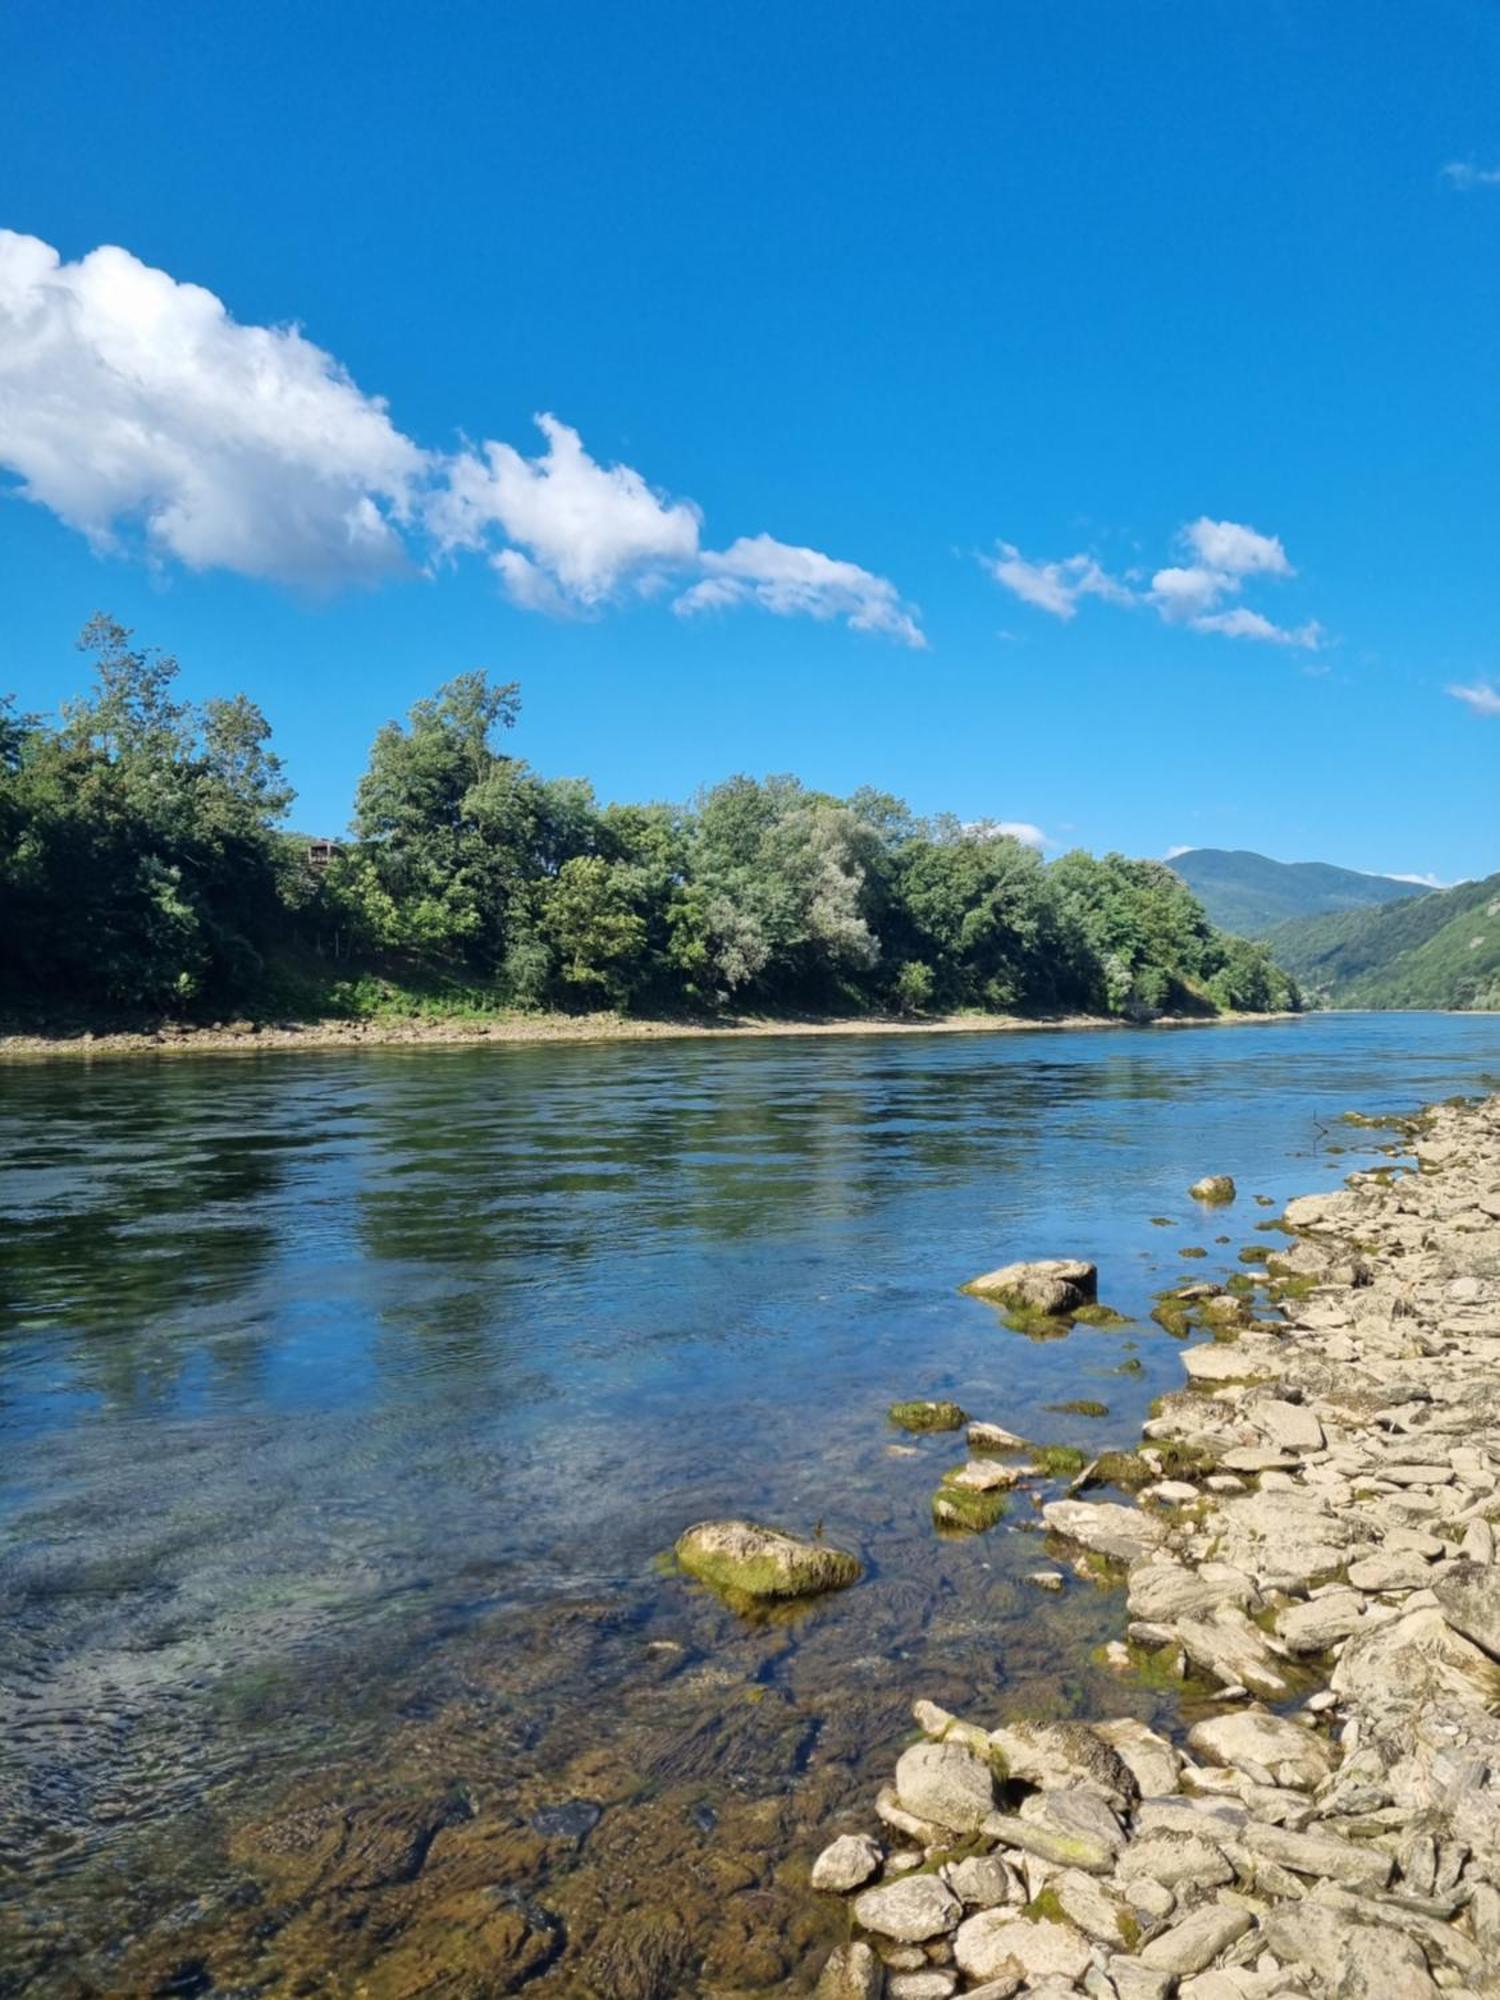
349	1400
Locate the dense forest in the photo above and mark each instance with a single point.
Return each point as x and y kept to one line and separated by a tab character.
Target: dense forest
144	872
1437	950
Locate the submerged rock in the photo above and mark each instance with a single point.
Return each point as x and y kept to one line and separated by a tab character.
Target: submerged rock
927	1416
746	1560
852	1972
1048	1285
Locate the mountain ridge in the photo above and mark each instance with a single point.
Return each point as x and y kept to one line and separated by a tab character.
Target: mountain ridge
1251	894
1438	950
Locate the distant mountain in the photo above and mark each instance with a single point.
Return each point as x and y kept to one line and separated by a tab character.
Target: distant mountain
1250	894
1440	950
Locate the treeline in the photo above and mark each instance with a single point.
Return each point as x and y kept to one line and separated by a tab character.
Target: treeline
143	870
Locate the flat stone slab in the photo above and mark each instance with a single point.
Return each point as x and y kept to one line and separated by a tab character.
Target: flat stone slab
1123	1533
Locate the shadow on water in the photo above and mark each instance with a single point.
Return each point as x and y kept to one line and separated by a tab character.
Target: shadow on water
347	1402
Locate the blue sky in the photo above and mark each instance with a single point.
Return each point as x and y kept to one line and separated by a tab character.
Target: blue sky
1193	310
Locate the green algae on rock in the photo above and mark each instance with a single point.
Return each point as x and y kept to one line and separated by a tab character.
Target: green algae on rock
963	1510
1213	1188
743	1559
920	1416
1052	1285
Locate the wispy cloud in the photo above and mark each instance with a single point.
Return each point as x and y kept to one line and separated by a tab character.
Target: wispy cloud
1482	697
143	415
1054	586
1176	853
1423	881
790	581
1465	175
1219	559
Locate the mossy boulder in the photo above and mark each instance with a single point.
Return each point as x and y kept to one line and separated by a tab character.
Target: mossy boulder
960	1510
1213	1188
742	1559
920	1416
1052	1285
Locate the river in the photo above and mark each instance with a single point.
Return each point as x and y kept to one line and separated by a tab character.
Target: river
349	1401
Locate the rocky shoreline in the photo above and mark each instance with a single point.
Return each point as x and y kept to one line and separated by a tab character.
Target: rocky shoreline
176	1038
1312	1539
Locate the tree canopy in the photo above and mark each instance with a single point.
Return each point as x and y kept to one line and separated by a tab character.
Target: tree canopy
143	866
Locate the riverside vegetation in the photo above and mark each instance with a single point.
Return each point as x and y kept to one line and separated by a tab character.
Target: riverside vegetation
1312	1549
144	875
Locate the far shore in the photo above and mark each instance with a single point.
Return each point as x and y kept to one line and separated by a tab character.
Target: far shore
251	1038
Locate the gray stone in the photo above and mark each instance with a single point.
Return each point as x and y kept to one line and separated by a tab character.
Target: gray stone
1134	1981
935	1982
852	1972
993	1437
1288	1425
1175	1860
1388	1570
1321	1855
1048	1284
1151	1759
1196	1941
912	1910
1122	1533
945	1783
981	1882
1099	1915
1232	1649
1057	1834
1259	1744
846	1863
983	1475
1063	1756
1469	1598
1320	1622
996	1941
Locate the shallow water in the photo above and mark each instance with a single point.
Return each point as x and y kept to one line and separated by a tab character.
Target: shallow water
347	1402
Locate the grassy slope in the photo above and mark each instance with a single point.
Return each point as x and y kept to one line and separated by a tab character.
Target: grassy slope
1250	894
1433	951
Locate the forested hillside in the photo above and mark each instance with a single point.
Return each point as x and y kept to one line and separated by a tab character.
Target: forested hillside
142	871
1441	950
1251	894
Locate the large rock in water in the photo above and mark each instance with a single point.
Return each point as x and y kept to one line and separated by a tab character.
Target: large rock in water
750	1561
1213	1188
1050	1285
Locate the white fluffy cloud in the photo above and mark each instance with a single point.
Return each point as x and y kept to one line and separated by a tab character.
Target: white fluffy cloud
793	582
1221	557
1465	175
1482	697
130	403
579	531
143	415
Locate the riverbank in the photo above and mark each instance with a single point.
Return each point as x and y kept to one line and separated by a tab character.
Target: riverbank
252	1038
1309	1555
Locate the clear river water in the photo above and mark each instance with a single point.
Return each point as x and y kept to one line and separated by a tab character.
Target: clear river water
348	1402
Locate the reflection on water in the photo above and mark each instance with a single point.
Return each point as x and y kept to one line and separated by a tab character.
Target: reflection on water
347	1400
